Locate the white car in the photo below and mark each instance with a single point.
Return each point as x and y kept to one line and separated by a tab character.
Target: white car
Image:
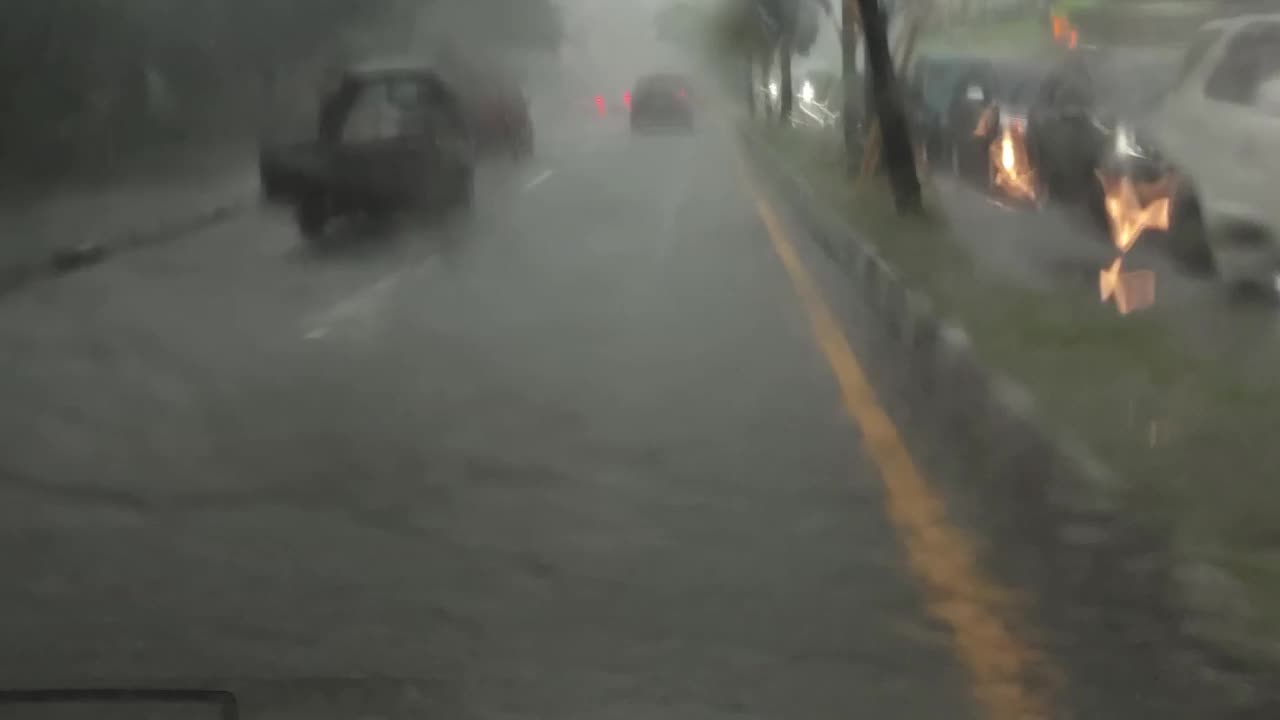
1219	127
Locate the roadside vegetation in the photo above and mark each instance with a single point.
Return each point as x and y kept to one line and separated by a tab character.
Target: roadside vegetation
1183	423
1014	35
88	84
1136	22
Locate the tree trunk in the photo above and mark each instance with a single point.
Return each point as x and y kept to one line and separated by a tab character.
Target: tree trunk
896	137
749	79
786	94
852	89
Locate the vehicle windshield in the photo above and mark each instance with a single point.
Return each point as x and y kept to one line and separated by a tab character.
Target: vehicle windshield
639	359
383	111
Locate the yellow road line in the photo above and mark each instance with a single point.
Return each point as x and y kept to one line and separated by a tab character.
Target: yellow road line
1002	667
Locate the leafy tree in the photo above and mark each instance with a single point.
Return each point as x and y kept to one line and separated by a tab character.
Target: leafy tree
761	30
85	79
793	27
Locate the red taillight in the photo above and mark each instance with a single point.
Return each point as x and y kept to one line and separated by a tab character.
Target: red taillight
600	104
626	99
683	93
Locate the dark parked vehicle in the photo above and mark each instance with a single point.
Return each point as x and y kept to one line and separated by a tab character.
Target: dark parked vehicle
661	101
987	99
390	138
932	85
1084	120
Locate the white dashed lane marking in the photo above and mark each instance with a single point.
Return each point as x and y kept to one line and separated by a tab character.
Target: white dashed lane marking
359	308
538	180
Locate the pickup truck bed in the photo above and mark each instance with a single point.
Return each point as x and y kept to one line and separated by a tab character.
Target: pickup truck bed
290	171
320	181
372	175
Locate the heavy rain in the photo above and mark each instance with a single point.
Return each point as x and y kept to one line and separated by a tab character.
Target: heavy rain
615	359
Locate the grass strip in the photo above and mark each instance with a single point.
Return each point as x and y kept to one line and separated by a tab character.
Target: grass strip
1191	435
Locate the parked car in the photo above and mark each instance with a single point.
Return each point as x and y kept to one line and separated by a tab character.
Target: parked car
1219	129
1082	110
932	82
987	99
390	137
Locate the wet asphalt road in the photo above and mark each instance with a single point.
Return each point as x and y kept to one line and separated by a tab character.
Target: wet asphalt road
575	456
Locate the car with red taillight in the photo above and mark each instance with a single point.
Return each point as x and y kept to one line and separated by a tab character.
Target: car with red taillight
661	101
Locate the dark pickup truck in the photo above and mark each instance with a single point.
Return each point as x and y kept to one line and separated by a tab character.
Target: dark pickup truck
391	137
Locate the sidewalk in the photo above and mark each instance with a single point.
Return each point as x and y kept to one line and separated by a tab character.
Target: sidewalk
162	198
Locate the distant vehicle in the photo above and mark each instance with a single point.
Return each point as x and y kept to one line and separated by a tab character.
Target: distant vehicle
1219	129
661	101
497	110
391	137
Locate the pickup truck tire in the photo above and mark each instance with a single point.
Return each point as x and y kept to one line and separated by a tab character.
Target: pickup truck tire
312	215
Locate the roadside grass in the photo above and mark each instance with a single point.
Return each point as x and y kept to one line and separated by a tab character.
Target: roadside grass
1067	6
1013	36
1149	23
1191	435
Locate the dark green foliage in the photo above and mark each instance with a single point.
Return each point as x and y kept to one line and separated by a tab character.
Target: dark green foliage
89	81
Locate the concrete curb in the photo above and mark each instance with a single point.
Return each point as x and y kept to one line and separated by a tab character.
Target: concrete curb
74	258
1080	542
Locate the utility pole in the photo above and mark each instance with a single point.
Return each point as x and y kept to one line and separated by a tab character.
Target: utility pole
888	105
849	22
